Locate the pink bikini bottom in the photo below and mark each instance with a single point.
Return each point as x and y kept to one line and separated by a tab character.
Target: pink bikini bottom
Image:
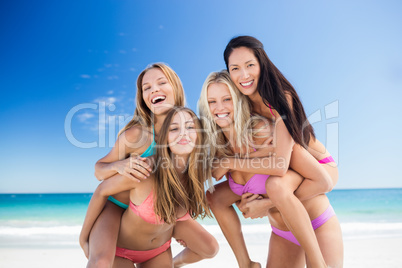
138	256
323	218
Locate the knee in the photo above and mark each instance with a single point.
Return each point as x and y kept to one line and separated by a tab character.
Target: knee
211	249
213	201
276	189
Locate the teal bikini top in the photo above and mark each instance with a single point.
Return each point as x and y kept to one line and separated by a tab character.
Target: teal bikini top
151	150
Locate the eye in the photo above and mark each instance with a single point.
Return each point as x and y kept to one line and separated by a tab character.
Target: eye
146	88
228	99
162	83
210	102
190	127
234	69
173	129
251	65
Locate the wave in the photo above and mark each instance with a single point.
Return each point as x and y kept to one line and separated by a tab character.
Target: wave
352	229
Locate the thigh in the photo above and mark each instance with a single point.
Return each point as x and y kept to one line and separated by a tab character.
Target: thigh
163	260
197	239
329	237
103	236
122	263
285	254
223	196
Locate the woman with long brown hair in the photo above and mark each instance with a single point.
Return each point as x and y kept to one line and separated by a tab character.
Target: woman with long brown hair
158	90
174	192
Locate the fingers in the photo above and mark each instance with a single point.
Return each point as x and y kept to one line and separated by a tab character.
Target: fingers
181	242
140	163
246	195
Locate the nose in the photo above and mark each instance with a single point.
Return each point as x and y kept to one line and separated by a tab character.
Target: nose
219	105
245	74
155	88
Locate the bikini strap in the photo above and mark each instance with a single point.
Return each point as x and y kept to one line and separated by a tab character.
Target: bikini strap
269	106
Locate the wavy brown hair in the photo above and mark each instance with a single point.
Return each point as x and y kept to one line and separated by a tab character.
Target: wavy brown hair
273	87
142	114
170	192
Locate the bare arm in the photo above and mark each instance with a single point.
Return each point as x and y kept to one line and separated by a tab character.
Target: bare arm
114	185
123	158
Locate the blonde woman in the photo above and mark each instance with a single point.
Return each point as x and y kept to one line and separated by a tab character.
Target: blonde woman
158	90
174	192
246	139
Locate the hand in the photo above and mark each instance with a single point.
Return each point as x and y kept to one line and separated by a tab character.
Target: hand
245	198
254	206
220	167
134	167
181	242
265	149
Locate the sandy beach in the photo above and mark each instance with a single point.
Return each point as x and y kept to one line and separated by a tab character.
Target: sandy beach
359	253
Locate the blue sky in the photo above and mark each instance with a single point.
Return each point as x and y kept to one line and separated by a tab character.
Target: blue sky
344	59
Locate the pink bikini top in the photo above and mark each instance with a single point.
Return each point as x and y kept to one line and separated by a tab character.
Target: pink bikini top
147	213
255	185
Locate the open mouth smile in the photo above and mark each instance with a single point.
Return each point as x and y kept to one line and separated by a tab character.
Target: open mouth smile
158	99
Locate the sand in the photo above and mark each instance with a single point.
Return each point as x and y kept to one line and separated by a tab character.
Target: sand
359	253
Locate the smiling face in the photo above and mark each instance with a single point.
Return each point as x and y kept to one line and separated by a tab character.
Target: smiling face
157	92
182	135
244	70
220	104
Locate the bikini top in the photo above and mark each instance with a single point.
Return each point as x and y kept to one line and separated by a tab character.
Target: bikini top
147	213
255	185
151	150
152	147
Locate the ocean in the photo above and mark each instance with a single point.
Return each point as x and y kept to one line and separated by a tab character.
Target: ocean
54	220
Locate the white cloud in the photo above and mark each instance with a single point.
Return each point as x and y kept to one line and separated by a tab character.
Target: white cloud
161	27
122	51
84	117
86	76
112	77
110	92
107	100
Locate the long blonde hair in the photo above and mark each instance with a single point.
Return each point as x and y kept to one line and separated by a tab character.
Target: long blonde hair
170	192
142	114
241	107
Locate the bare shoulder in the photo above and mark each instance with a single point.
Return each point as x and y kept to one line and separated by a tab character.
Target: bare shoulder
262	130
262	126
136	134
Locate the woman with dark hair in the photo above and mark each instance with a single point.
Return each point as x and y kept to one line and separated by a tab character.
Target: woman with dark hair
273	97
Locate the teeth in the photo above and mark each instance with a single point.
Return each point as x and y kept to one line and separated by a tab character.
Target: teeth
157	98
222	115
246	84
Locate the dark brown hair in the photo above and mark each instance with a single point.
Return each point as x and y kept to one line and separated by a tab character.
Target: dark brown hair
273	87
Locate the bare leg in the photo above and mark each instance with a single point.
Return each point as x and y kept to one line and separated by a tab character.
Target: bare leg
200	243
281	192
103	237
163	260
122	263
220	202
285	254
329	236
